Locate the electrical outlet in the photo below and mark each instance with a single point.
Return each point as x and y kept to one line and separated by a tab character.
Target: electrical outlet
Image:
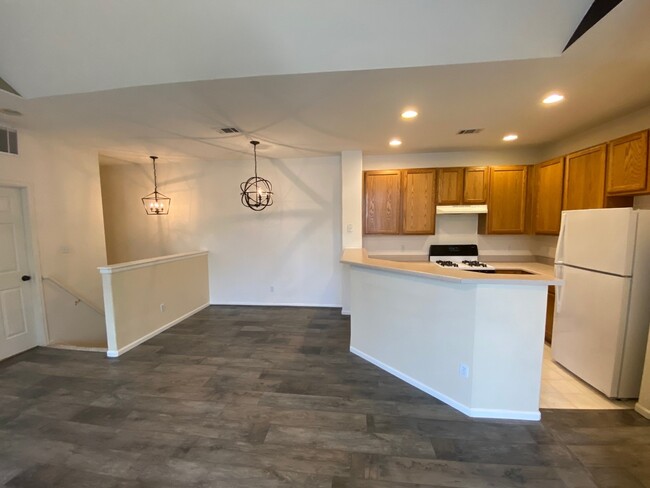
349	227
463	370
162	307
272	288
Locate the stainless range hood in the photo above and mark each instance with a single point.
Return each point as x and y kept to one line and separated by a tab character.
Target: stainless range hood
461	209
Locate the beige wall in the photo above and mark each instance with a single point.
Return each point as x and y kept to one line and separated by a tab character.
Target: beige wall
144	298
65	212
287	254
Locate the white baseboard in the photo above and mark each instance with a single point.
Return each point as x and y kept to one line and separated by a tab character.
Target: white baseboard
640	409
69	347
470	412
288	304
112	353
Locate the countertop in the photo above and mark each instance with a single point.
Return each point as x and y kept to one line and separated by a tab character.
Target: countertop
543	273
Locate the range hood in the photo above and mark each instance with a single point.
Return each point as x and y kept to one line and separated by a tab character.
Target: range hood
461	209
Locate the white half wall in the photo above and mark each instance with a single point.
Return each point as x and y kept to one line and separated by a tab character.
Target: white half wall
143	298
287	254
475	347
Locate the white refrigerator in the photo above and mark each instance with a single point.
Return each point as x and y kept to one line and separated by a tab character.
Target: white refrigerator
602	311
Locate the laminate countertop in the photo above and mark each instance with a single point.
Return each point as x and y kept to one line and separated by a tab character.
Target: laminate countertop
542	274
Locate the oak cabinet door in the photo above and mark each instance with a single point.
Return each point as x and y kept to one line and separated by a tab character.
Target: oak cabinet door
475	188
450	186
584	179
548	185
382	201
507	200
418	201
628	172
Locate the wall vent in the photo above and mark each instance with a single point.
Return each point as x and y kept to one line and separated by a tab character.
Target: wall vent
8	141
469	131
229	130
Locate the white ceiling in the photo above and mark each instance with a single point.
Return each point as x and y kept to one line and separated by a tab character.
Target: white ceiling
471	64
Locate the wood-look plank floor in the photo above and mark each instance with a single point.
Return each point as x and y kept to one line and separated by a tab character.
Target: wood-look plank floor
271	397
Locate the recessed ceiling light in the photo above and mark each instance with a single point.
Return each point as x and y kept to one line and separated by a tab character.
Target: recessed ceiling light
510	137
553	98
409	114
11	112
395	142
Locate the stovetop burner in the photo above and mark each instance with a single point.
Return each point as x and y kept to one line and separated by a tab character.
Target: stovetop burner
458	256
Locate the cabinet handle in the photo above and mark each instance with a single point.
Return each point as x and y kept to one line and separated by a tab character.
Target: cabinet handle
25	277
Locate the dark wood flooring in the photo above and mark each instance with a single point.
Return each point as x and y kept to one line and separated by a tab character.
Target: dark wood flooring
271	397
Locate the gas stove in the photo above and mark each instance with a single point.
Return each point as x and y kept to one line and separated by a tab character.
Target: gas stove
459	256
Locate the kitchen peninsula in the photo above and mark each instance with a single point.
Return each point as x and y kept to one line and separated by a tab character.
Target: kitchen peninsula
472	340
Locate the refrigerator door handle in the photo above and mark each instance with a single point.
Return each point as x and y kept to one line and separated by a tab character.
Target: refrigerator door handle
558	289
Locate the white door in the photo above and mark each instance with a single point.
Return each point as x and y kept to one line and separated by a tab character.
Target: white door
600	239
589	325
17	330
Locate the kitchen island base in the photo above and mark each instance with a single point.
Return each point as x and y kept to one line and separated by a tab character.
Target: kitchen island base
476	346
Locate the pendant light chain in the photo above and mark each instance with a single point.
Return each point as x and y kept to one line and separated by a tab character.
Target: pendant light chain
155	179
156	203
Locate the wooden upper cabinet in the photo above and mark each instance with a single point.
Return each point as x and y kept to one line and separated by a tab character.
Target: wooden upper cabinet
418	201
547	191
584	179
628	171
381	204
458	186
475	189
506	201
450	186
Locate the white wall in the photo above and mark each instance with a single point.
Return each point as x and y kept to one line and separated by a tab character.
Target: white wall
65	210
71	321
423	329
293	246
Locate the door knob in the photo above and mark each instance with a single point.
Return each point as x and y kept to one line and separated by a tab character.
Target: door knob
25	277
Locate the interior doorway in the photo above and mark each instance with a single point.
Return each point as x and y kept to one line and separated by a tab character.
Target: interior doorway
17	291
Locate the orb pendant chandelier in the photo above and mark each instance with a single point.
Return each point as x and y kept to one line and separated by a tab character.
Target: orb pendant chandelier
156	203
256	192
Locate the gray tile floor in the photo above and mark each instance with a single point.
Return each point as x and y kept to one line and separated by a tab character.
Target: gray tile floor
271	397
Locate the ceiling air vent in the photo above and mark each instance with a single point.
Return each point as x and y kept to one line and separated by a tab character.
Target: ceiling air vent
469	131
8	141
229	130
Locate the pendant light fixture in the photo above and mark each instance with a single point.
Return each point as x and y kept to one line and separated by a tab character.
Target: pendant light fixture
156	203
256	192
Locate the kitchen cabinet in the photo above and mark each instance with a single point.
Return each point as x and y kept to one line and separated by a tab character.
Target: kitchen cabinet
506	201
628	171
584	181
381	203
450	186
547	196
457	186
550	311
475	185
584	178
418	201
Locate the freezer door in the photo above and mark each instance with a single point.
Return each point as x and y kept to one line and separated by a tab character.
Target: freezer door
602	240
589	326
